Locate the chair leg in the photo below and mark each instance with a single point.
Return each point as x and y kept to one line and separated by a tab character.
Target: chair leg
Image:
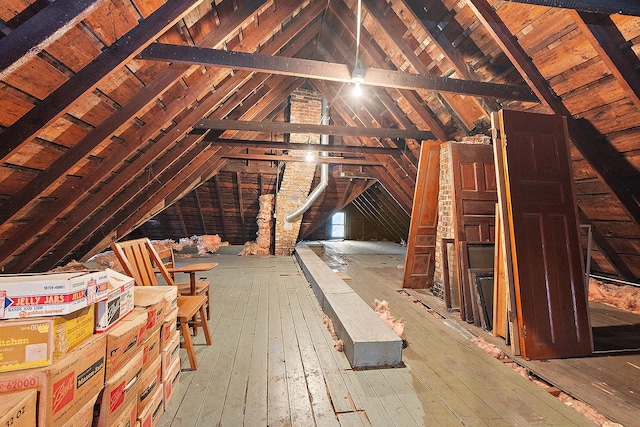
205	326
208	306
188	342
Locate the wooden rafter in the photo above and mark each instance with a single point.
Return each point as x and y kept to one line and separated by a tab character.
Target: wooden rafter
42	29
255	126
332	148
612	48
302	159
320	70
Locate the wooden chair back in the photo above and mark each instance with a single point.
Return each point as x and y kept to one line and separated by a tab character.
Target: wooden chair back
167	258
138	258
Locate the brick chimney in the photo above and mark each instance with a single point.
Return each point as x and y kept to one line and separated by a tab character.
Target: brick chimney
305	107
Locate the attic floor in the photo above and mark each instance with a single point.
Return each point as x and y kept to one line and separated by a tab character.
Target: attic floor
272	361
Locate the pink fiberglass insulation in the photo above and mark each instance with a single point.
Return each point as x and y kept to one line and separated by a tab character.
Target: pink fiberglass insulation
382	310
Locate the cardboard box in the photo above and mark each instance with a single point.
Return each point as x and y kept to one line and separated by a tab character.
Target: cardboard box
171	383
18	409
118	302
151	348
168	328
150	381
170	354
170	294
36	342
124	340
26	343
154	410
120	389
66	385
154	304
84	417
71	330
51	294
128	417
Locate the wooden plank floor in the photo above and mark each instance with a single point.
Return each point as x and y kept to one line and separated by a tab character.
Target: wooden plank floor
273	363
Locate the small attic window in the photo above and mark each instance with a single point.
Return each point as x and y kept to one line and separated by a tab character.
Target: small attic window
337	226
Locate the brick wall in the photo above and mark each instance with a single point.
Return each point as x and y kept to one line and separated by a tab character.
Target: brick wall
445	227
305	107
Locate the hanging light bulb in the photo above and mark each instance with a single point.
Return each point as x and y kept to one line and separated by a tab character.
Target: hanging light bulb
357	90
310	158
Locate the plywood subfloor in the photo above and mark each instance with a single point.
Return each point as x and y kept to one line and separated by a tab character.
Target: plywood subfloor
273	363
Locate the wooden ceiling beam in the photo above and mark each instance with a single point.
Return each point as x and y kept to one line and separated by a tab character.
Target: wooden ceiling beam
301	159
86	80
588	145
42	29
613	49
255	126
320	70
332	148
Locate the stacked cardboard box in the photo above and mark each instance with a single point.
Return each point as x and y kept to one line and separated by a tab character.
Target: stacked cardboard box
86	349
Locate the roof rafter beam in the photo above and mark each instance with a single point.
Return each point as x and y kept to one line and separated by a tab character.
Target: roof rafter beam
606	39
42	29
302	159
320	70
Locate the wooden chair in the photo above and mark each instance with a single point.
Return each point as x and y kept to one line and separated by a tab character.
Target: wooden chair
138	258
195	286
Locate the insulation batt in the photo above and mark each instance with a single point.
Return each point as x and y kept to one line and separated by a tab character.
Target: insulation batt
382	310
580	407
624	297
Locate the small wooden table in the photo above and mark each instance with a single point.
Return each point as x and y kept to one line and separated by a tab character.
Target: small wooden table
192	269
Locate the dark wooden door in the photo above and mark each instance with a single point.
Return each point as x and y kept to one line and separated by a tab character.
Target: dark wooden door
551	301
421	244
475	195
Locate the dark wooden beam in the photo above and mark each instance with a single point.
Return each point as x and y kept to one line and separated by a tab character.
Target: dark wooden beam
255	126
613	49
332	148
318	159
42	29
609	7
86	80
320	70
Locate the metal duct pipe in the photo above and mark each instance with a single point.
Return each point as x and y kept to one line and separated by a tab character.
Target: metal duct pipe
609	7
324	172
